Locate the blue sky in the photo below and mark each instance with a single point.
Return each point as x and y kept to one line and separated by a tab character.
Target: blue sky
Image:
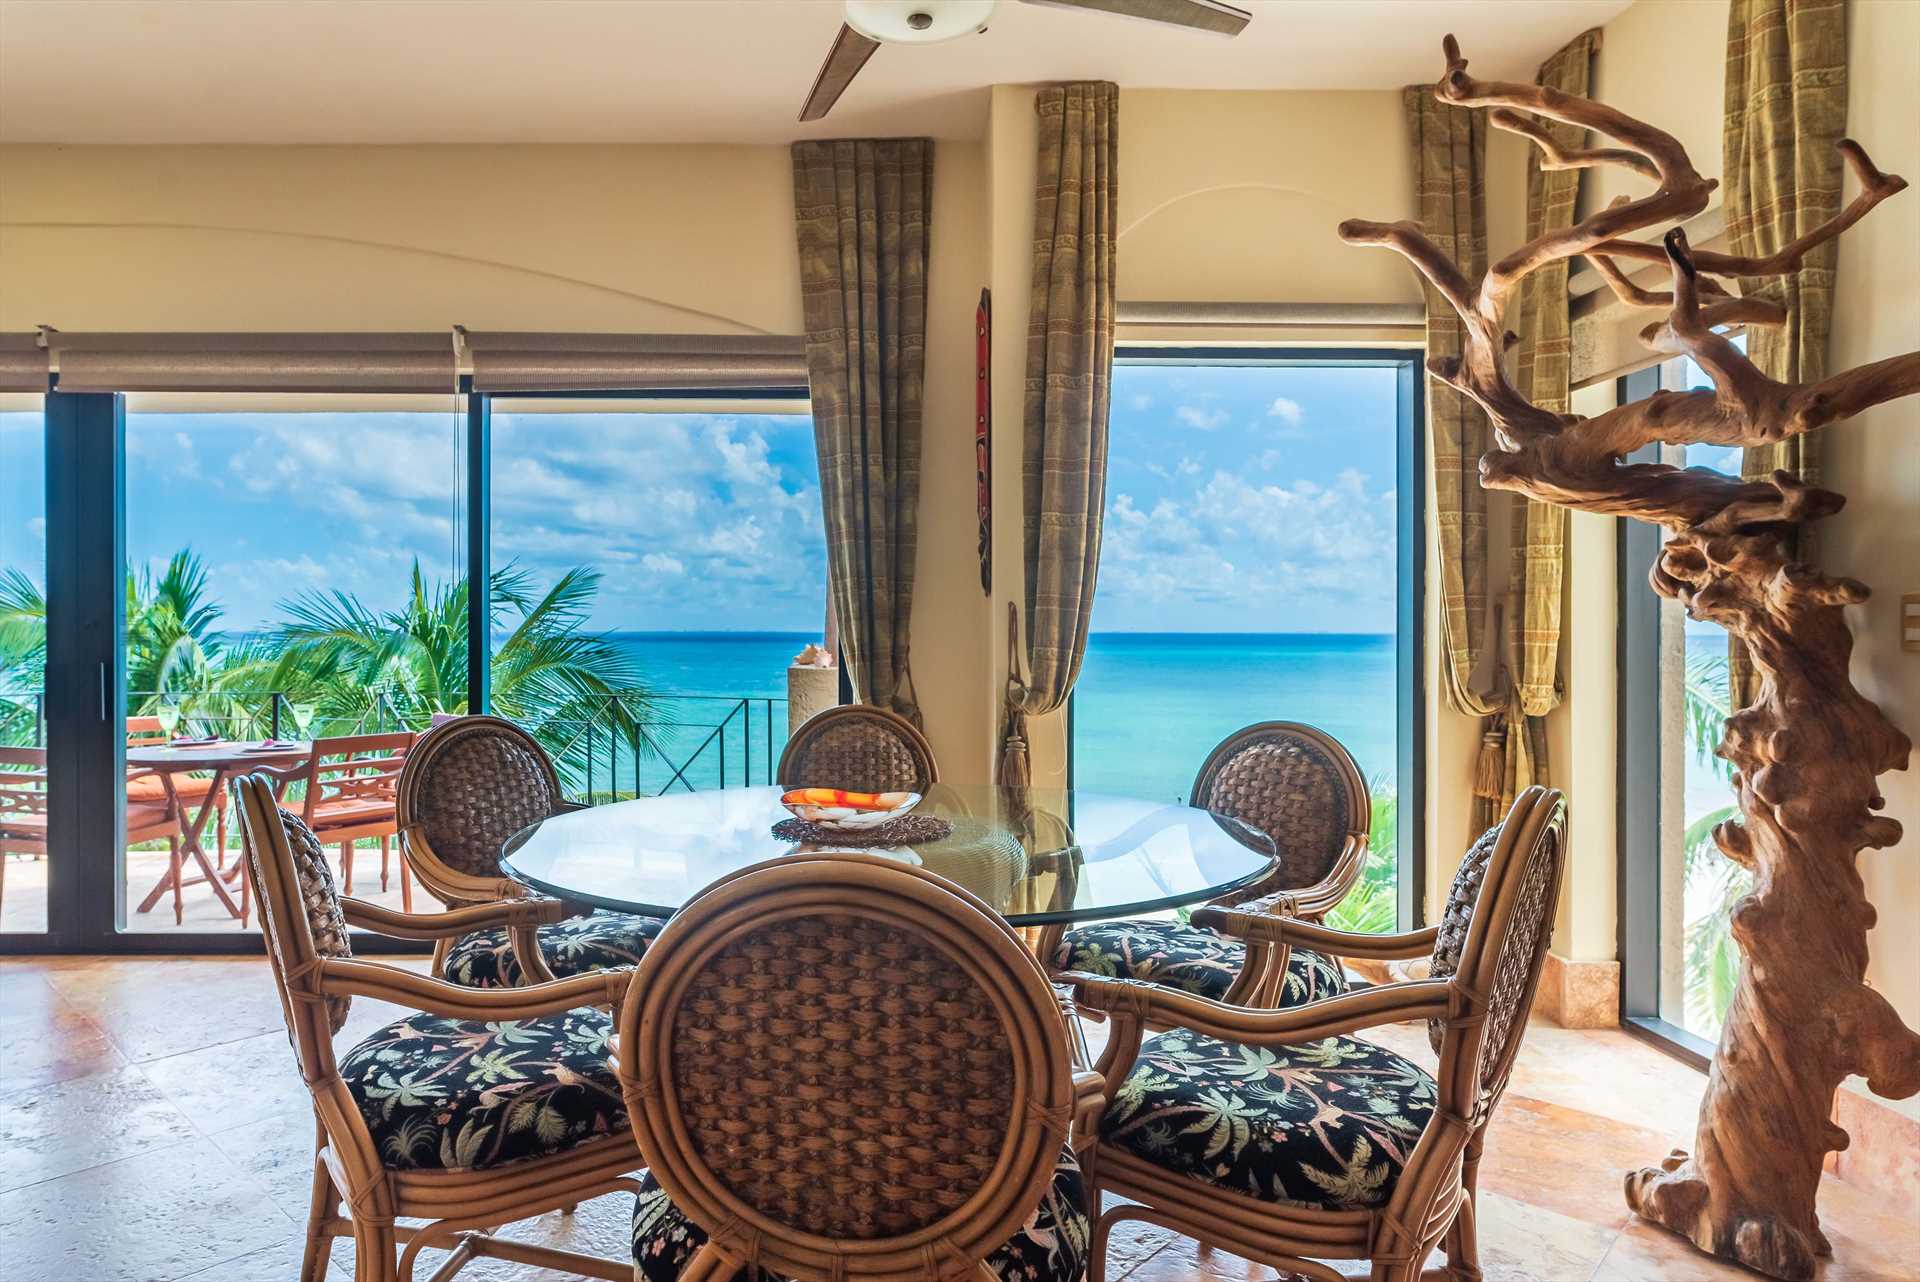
1239	499
1249	499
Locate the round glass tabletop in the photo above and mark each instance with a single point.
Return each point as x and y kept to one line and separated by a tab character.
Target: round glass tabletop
1037	855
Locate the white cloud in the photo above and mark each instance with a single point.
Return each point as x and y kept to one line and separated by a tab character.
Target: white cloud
1286	410
660	563
1201	420
37	528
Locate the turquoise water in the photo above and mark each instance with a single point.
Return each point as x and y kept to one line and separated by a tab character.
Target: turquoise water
1148	708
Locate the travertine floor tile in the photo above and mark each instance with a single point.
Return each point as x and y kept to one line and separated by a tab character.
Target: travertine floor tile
50	1131
153	1218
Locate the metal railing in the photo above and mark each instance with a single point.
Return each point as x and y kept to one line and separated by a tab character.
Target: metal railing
690	742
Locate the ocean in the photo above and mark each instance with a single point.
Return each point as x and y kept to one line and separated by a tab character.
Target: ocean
1147	710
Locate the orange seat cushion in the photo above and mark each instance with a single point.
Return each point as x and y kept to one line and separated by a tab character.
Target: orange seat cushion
151	788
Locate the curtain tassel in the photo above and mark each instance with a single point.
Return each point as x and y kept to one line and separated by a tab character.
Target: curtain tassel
1490	768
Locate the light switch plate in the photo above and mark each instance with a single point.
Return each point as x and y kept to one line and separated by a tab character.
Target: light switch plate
1910	622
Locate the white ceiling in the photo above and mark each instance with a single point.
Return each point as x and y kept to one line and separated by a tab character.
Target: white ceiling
557	71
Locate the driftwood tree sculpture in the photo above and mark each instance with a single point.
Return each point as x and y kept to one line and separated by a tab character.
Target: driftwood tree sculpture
1808	750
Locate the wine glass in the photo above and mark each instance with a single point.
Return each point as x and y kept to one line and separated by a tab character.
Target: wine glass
302	717
167	713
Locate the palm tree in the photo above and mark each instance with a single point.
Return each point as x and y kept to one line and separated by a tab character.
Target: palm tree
23	654
362	668
1712	963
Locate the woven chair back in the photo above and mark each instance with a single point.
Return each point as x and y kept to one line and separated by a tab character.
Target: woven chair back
1508	929
1507	942
1297	784
469	785
846	1067
861	749
300	916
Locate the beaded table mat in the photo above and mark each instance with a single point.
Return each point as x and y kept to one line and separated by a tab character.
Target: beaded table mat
907	830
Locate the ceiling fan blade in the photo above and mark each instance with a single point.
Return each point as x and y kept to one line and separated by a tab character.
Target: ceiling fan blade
1202	15
849	53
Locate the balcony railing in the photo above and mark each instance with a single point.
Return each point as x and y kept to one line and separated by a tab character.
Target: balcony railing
607	748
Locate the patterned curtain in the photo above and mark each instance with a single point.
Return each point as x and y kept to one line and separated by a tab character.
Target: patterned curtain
1531	621
1450	193
1063	461
1786	109
862	209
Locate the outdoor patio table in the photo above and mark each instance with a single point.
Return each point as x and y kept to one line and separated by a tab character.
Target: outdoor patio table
222	759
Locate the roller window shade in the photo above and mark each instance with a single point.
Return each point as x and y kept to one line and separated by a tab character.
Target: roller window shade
256	362
23	363
506	362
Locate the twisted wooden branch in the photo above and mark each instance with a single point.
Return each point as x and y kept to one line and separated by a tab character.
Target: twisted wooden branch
1808	750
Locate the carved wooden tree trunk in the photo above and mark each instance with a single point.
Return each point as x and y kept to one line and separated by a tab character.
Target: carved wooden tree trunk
1809	749
1807	752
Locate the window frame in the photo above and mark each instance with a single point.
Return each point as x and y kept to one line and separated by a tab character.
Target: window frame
1640	814
1410	479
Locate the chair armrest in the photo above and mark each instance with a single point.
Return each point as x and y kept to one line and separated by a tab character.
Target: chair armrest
341	976
454	922
1269	928
1314	901
448	884
1145	1002
1089	1106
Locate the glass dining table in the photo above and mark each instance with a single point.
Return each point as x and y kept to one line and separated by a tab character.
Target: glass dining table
1040	857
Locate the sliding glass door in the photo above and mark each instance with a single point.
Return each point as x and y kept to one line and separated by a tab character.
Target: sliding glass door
295	571
23	661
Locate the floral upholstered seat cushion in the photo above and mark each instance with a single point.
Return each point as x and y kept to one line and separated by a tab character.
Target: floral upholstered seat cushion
602	941
1188	958
1326	1124
457	1094
1050	1247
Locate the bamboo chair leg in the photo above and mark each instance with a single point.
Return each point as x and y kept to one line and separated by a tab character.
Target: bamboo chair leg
406	888
321	1207
385	853
373	1252
1463	1238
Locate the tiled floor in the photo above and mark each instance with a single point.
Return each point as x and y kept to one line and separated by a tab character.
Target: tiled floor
152	1129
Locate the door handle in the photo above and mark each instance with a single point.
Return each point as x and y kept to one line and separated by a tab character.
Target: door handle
106	679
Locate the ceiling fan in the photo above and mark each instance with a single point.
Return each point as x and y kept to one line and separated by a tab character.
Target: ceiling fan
872	23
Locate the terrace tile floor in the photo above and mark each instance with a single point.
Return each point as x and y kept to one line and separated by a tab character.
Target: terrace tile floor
153	1129
24	907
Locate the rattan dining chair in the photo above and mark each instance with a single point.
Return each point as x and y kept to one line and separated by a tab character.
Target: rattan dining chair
859	748
481	1109
1276	1135
1297	784
844	1068
467	786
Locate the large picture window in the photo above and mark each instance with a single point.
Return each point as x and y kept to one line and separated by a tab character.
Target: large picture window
684	552
1252	570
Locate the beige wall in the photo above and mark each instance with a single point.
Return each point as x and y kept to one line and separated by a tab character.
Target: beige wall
1875	460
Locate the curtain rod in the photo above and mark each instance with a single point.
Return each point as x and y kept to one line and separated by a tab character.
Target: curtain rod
496	361
1271	315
